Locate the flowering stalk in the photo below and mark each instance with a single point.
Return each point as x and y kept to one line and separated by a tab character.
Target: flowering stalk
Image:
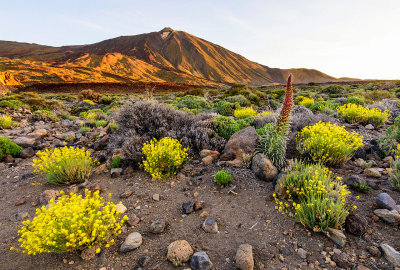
283	119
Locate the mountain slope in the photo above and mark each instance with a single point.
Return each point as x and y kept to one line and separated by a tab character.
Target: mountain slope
164	56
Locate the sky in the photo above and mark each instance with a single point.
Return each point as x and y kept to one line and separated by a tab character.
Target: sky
342	38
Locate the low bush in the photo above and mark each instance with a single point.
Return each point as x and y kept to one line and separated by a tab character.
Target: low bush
89	94
225	126
12	104
245	113
6	122
320	106
225	108
147	120
306	102
363	187
45	115
222	177
309	189
395	175
163	158
352	113
8	147
240	99
390	138
272	144
333	89
192	102
66	165
107	100
83	129
328	143
101	123
116	163
72	223
356	100
376	95
113	127
195	92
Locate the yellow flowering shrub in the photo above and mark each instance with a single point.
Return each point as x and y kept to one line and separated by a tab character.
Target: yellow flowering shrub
245	113
353	113
65	165
265	113
72	223
328	143
306	102
395	174
163	158
6	122
315	198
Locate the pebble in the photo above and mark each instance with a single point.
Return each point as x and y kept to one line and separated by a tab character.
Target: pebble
156	197
204	214
244	257
374	251
210	225
302	253
120	208
20	216
200	261
126	194
133	220
188	207
20	202
116	172
158	226
143	261
133	241
337	236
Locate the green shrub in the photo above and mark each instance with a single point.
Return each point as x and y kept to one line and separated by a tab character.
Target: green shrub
72	223
333	89
113	127
222	177
356	100
390	138
225	108
328	143
240	99
12	104
8	147
116	162
192	102
83	129
195	92
310	190
89	94
225	126
45	115
107	100
65	165
272	144
376	95
163	158
254	99
101	123
321	105
363	187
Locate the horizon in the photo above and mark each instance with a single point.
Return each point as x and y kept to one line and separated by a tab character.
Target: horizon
352	40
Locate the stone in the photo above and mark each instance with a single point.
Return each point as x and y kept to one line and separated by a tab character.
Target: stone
374	251
89	253
72	189
356	224
156	197
133	220
337	236
158	226
188	207
126	194
133	241
179	252
263	168
204	214
302	253
143	261
362	267
8	159
342	260
391	254
27	152
120	208
40	133
47	195
101	169
391	217
354	180
94	187
210	225
244	257
384	201
20	202
25	141
206	152
369	126
242	143
373	172
198	205
20	216
116	172
208	160
200	261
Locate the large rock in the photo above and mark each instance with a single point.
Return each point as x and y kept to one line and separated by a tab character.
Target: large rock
356	224
337	236
25	141
133	241
41	132
391	255
210	225
391	217
373	172
47	195
263	168
384	201
200	261
179	252
242	143
244	257
27	152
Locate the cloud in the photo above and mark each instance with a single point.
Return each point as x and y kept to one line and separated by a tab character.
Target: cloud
89	24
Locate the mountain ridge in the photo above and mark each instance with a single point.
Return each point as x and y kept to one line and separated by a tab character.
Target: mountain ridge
164	56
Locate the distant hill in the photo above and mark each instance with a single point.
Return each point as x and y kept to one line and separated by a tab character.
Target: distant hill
164	56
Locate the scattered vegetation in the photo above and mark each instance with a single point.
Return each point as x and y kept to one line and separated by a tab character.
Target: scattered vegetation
89	94
222	177
6	122
8	147
353	113
244	113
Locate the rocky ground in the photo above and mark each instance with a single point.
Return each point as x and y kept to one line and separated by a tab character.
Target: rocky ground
238	222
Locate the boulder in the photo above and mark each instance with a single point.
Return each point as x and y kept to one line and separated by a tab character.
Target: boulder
384	201
263	168
356	224
242	143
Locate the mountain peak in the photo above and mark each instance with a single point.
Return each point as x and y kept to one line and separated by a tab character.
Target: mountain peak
167	29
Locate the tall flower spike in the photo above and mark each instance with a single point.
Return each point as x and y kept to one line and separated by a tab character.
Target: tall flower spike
283	119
